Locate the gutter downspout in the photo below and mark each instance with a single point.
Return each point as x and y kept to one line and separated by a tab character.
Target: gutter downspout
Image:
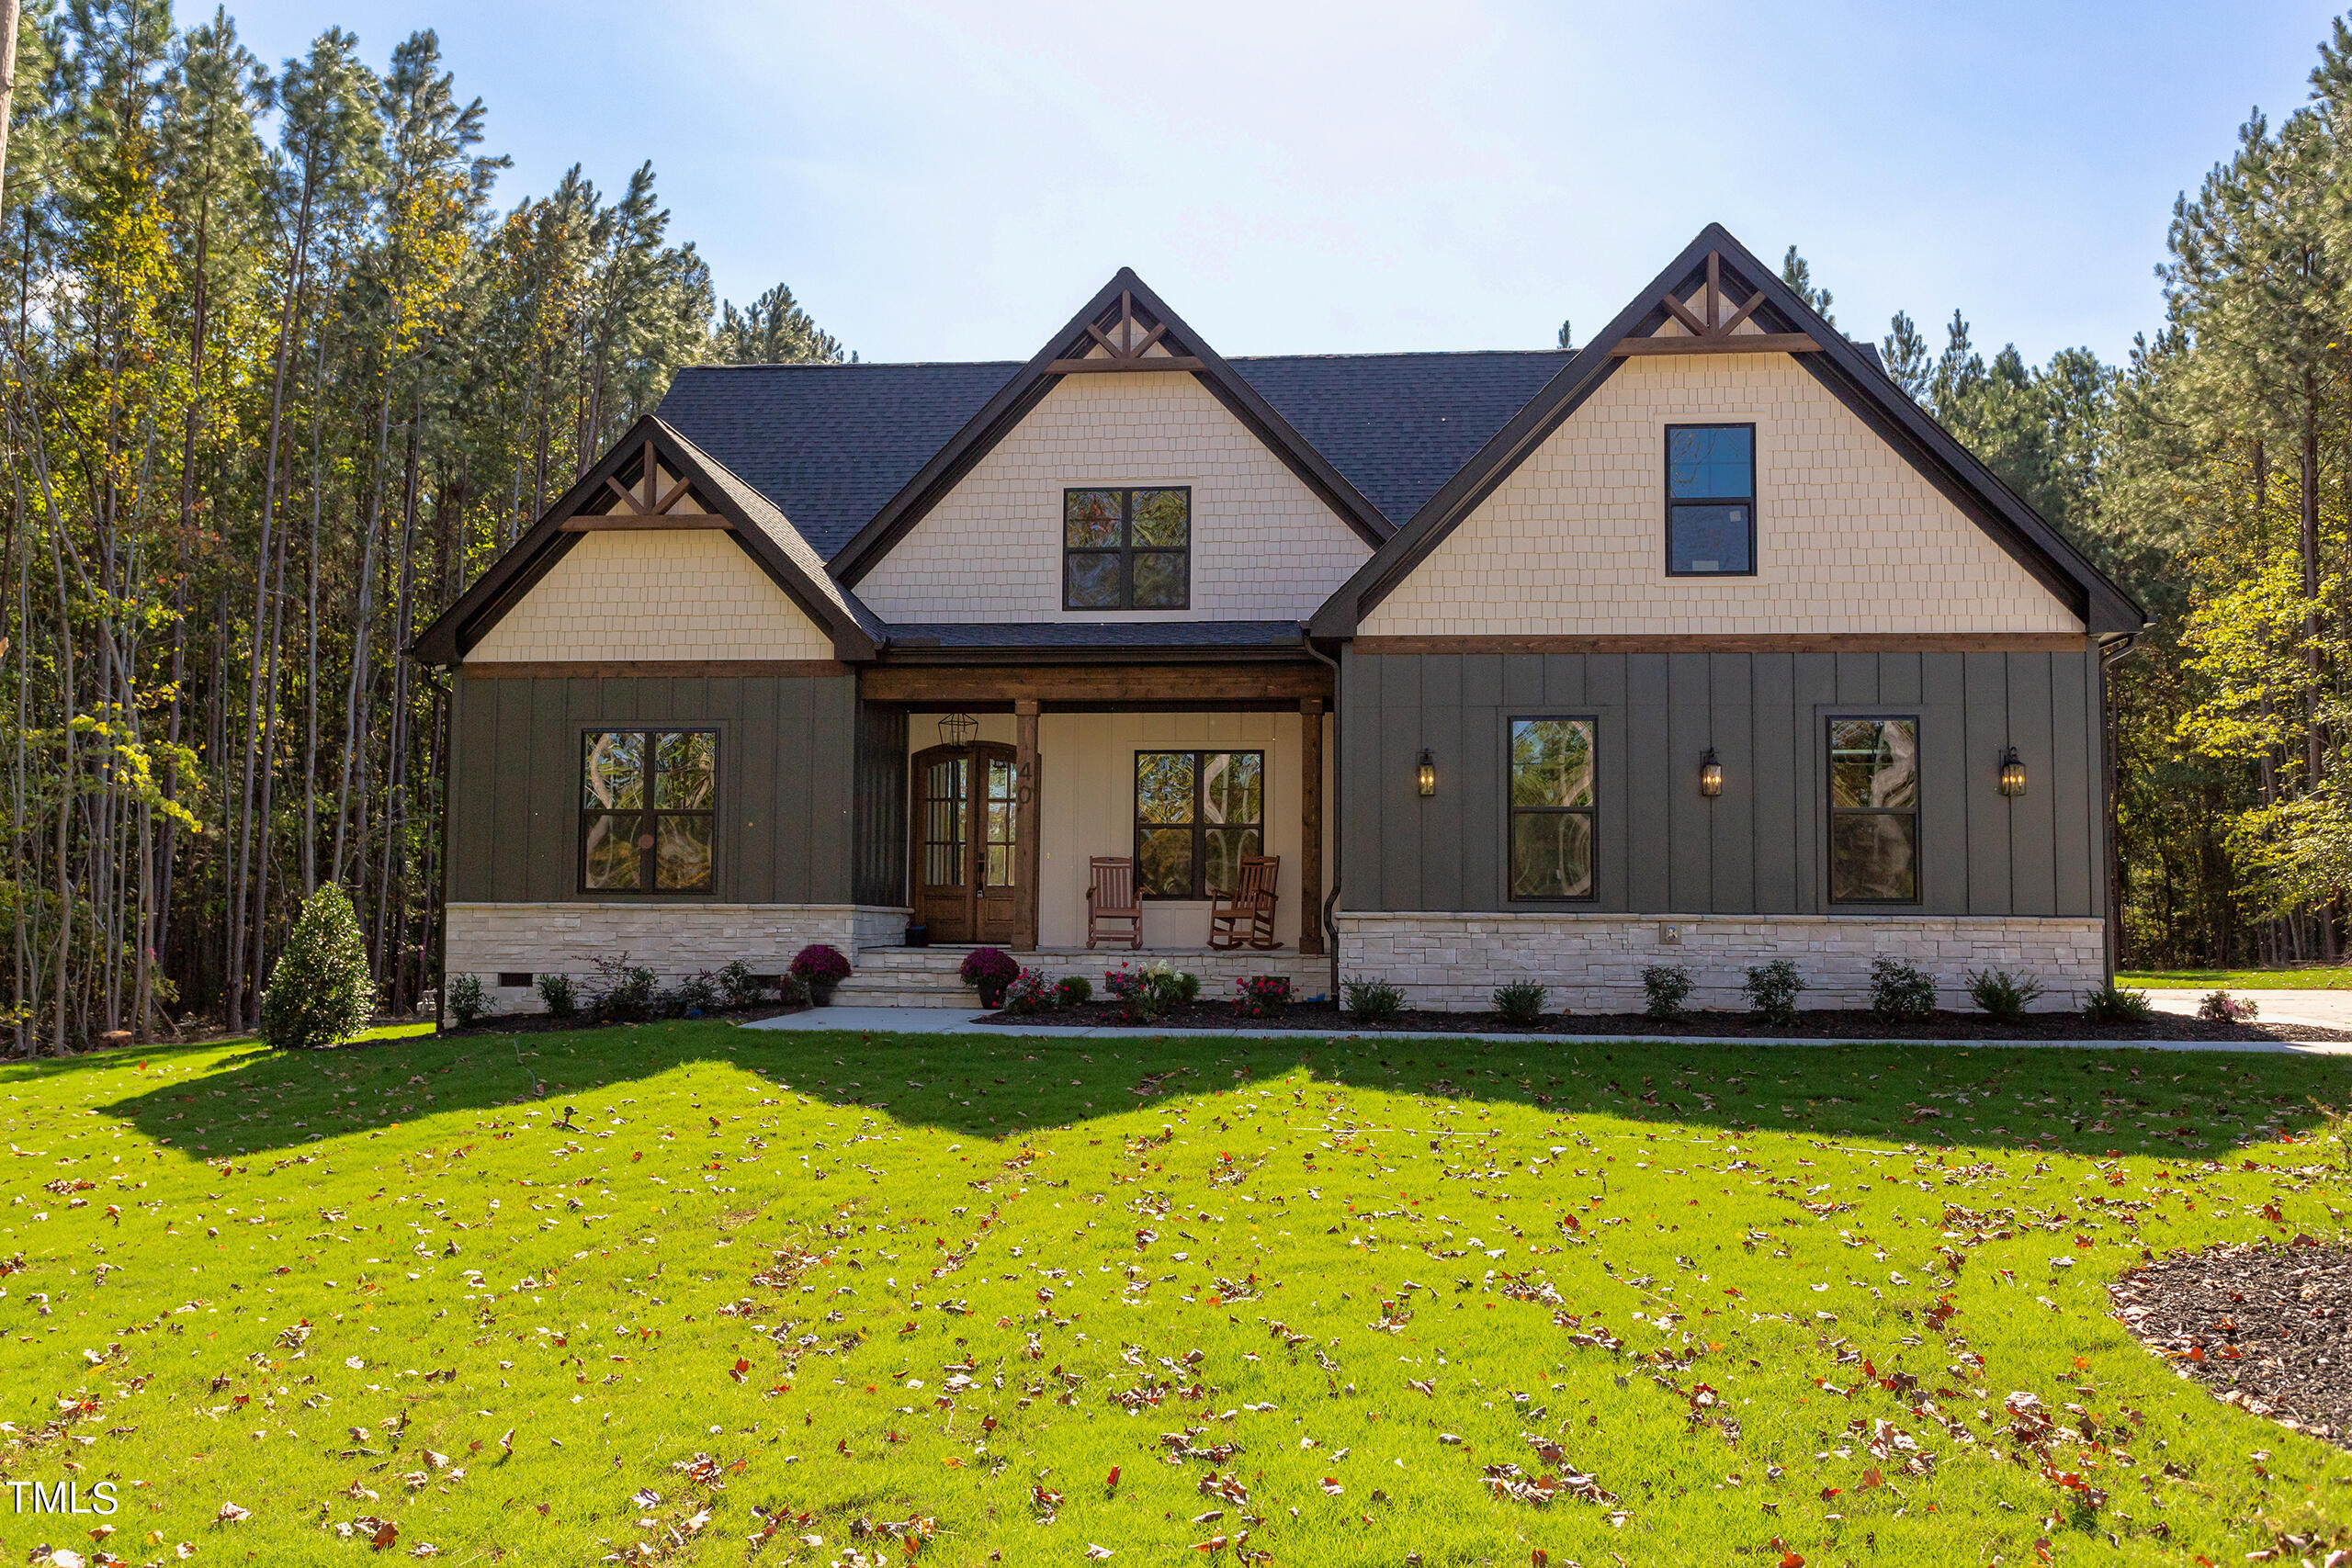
1338	816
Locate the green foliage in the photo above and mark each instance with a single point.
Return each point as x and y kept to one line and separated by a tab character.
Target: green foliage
1665	988
2001	994
1374	1001
2112	1003
740	988
465	999
1901	990
620	991
1772	991
320	992
1075	990
1521	1001
1148	994
561	997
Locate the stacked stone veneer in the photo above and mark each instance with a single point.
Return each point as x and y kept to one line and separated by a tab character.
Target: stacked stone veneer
1594	962
1265	547
671	940
1849	537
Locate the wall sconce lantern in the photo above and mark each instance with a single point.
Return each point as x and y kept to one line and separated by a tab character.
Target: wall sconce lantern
1711	775
2012	773
1428	773
957	729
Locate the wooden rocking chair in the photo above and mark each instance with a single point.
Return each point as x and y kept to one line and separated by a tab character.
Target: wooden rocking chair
1110	898
1246	914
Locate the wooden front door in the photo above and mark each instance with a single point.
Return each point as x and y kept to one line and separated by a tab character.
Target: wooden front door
964	852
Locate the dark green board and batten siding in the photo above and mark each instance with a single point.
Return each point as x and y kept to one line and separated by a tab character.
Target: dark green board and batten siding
788	830
1758	849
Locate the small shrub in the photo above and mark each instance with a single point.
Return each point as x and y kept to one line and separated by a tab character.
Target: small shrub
2222	1007
1521	1001
1772	992
1029	992
1901	990
2001	994
1262	996
2112	1003
1374	1001
820	964
319	991
792	991
1145	994
465	999
741	987
562	998
1074	990
621	992
697	994
1665	988
988	966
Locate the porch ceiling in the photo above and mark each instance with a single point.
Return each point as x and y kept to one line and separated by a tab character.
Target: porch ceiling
1103	682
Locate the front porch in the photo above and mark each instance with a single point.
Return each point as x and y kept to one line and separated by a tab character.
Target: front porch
926	976
1017	776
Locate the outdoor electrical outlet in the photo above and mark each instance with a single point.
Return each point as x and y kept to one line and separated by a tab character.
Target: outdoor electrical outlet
1669	936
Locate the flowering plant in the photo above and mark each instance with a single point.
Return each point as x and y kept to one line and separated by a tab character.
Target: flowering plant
820	964
1029	992
988	966
2222	1007
1263	996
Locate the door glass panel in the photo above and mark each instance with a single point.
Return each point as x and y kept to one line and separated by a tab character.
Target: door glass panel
946	785
998	817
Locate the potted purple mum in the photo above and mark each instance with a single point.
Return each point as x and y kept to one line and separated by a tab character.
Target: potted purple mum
821	967
991	971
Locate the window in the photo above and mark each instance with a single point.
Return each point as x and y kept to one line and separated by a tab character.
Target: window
646	805
1874	810
1198	813
1711	500
1126	550
1551	807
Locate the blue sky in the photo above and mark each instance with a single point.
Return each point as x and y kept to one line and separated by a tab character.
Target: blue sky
943	182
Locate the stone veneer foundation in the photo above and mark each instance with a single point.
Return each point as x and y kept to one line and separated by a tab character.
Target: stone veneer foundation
1594	962
671	940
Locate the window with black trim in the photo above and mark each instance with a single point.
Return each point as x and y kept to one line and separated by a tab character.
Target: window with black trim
1874	810
1128	550
1552	807
1198	813
647	808
1711	500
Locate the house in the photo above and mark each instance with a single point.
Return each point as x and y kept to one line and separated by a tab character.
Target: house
1702	644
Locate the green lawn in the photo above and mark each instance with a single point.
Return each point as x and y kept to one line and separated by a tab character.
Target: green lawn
2309	977
1031	1299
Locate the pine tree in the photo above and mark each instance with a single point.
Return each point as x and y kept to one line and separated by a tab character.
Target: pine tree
1798	277
1905	354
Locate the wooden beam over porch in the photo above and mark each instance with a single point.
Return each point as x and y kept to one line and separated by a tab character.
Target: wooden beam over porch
1200	685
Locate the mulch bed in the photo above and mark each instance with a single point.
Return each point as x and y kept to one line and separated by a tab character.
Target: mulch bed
2267	1328
1323	1018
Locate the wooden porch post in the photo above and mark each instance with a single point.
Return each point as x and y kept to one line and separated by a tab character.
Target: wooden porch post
1024	826
1310	849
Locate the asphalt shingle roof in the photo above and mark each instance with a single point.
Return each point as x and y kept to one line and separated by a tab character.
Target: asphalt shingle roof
1099	634
830	444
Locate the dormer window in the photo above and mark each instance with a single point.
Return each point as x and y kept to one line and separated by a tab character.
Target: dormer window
1711	500
1128	550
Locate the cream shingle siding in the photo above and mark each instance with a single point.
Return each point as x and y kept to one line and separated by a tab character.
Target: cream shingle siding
1849	537
654	594
1263	546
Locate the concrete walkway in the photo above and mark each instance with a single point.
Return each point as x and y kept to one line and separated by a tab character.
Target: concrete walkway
2320	1010
958	1020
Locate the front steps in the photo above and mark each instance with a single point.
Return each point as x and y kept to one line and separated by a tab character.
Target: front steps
926	976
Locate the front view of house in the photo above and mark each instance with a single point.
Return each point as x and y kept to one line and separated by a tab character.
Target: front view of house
1701	645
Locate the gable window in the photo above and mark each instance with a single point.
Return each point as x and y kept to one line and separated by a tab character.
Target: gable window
1198	813
1874	810
647	800
1128	550
1552	807
1711	500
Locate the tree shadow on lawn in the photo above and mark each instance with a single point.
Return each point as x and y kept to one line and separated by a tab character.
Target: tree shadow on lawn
2167	1105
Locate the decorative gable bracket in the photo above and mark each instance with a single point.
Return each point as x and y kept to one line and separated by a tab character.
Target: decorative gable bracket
1124	339
654	498
1711	330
